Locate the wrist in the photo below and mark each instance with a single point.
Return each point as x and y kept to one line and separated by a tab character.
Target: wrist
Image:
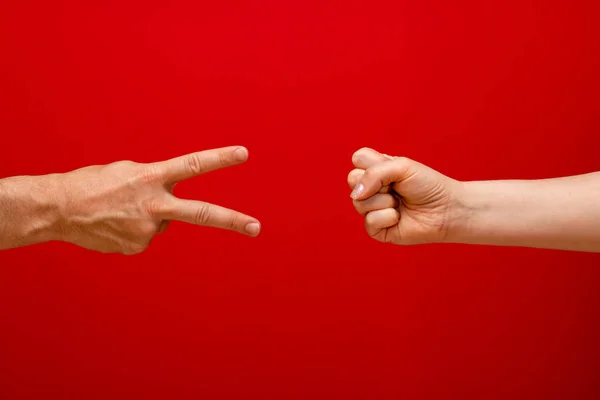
464	209
42	197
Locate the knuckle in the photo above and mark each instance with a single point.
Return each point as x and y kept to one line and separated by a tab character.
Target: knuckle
155	206
350	178
148	230
233	222
150	174
118	167
370	173
225	158
202	215
194	164
402	162
124	163
362	150
356	157
355	174
135	248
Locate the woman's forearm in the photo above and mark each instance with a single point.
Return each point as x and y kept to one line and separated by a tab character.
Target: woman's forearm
29	210
561	213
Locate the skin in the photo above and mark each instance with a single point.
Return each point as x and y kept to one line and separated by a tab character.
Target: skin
404	202
114	208
120	207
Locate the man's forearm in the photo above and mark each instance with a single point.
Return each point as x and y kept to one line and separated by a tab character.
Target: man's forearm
562	213
29	210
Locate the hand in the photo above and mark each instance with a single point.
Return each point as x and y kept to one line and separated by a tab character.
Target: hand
403	201
120	207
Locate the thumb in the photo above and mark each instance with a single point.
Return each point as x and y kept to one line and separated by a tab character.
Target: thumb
383	174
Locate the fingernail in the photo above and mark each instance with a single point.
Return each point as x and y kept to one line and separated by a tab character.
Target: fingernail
253	228
241	154
358	190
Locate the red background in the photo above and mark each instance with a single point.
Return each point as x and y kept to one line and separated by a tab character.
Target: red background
312	308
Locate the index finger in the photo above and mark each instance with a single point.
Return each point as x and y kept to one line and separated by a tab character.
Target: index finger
190	165
381	175
356	175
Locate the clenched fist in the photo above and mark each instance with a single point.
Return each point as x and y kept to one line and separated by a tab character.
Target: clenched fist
402	201
405	202
114	208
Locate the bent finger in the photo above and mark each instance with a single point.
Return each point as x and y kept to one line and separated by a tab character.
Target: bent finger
355	176
366	158
376	202
383	174
376	221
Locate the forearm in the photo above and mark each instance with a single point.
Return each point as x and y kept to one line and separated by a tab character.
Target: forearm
29	210
561	213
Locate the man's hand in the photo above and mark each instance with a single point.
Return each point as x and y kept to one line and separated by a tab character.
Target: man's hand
115	208
120	207
402	201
